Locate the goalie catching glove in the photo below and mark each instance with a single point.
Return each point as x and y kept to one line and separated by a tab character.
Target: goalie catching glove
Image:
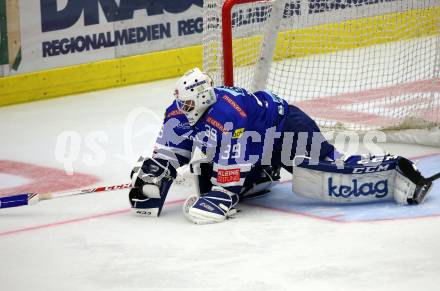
151	180
214	206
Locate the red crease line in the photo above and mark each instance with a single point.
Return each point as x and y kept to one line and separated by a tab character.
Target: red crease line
122	211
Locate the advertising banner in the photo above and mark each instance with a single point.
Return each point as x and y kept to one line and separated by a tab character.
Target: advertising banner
43	34
55	33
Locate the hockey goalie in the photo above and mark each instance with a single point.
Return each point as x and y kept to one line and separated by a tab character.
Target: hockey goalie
246	139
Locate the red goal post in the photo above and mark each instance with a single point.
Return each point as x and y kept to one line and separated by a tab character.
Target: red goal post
228	65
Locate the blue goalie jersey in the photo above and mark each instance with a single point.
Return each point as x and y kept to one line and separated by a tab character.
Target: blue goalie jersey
231	133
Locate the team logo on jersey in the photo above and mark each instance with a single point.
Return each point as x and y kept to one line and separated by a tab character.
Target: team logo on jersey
378	189
228	176
215	123
235	106
238	133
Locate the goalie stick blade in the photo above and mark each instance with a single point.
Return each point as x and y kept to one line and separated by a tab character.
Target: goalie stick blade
19	200
423	190
420	193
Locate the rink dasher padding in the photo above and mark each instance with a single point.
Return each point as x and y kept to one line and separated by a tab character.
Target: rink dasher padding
99	75
283	200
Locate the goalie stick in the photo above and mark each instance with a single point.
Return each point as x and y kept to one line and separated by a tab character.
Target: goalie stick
433	177
422	188
24	199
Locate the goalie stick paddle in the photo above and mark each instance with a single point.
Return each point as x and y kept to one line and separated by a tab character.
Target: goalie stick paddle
33	198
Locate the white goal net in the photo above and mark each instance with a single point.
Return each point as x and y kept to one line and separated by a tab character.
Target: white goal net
350	64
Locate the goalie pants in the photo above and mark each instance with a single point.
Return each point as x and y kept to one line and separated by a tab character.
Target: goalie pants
300	135
296	124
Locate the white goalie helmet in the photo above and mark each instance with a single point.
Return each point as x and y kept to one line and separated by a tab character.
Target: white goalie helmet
194	94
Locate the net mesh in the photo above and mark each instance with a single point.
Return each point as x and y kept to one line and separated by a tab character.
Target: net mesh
356	65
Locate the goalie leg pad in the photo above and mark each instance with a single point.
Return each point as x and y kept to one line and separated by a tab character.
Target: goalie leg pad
361	179
346	182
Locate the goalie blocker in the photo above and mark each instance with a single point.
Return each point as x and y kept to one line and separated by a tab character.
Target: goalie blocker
151	181
360	179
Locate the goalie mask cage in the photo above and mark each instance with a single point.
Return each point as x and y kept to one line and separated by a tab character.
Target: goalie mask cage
351	64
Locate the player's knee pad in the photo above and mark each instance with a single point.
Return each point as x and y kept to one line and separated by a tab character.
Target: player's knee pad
358	179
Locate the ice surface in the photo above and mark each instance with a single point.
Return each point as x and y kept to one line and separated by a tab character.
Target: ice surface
93	242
